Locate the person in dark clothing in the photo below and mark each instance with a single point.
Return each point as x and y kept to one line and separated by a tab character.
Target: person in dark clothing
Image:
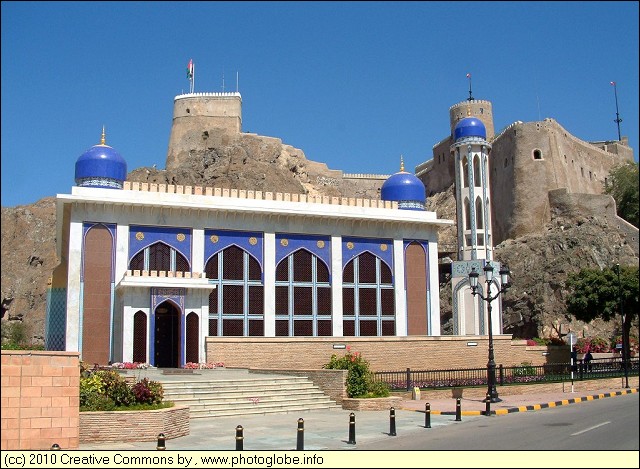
587	359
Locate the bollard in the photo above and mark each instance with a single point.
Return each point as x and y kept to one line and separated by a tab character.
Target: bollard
55	447
239	438
427	415
352	429
458	410
161	445
300	444
487	409
392	422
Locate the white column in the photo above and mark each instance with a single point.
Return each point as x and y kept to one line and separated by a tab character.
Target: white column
336	286
270	284
434	287
73	330
197	250
399	288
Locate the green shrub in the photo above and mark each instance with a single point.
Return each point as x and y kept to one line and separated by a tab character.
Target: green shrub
360	381
107	390
96	402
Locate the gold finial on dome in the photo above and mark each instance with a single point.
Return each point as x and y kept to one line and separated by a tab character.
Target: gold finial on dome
401	164
103	140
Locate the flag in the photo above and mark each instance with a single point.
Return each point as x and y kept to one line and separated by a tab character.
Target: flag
190	69
468	75
613	83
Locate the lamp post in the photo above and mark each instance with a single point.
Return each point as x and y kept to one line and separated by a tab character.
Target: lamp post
492	393
624	340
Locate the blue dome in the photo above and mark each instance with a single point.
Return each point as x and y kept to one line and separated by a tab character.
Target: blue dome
406	189
469	127
101	166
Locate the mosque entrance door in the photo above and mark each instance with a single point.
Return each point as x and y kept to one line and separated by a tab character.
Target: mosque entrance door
167	336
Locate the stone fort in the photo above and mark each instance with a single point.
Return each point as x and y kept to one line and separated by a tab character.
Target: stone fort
529	160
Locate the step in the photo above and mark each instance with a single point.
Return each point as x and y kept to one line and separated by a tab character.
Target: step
256	410
264	400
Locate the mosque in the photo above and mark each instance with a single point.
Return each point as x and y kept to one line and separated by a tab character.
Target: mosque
170	275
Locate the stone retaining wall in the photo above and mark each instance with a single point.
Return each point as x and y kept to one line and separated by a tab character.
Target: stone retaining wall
40	399
376	403
131	425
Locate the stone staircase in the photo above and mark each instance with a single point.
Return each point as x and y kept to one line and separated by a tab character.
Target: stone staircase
221	394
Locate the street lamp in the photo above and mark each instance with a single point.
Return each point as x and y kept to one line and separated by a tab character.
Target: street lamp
624	340
492	393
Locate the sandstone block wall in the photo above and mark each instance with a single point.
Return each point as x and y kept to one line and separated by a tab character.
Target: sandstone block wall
383	354
40	400
134	425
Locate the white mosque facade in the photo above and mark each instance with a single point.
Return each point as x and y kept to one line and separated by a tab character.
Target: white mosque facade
149	271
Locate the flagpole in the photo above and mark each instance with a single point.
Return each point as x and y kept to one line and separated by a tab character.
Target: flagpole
193	79
470	96
617	120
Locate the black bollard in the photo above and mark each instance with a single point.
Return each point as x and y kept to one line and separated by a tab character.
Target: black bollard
352	429
427	415
487	409
239	438
55	447
392	422
300	444
161	445
458	410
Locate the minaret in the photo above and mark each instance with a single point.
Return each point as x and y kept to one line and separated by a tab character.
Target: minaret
471	151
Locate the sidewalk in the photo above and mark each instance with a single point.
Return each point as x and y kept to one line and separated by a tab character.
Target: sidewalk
331	429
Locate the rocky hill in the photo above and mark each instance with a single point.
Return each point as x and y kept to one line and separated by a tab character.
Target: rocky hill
540	263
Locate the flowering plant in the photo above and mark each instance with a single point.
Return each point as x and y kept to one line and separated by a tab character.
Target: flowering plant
203	366
130	366
593	345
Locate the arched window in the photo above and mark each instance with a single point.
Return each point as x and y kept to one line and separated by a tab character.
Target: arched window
368	298
140	337
236	306
479	213
160	257
537	154
467	214
192	342
465	172
303	296
477	182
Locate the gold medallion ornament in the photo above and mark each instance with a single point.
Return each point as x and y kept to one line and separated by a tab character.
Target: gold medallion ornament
349	245
139	236
383	247
320	244
253	241
214	239
180	237
284	242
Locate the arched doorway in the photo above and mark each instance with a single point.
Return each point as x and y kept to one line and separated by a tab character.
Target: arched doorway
167	336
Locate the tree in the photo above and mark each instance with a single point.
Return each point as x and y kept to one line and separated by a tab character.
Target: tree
598	293
622	185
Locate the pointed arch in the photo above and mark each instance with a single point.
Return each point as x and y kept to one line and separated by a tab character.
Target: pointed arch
140	337
465	171
303	295
467	214
477	181
479	213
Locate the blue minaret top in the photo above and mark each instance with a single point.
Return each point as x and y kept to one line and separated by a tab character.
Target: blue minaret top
101	166
469	127
404	188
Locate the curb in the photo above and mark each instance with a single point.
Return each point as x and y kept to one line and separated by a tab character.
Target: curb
527	408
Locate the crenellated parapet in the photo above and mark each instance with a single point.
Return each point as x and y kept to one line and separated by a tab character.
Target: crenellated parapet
257	195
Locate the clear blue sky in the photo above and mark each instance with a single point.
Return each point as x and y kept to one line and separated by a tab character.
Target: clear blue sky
352	84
